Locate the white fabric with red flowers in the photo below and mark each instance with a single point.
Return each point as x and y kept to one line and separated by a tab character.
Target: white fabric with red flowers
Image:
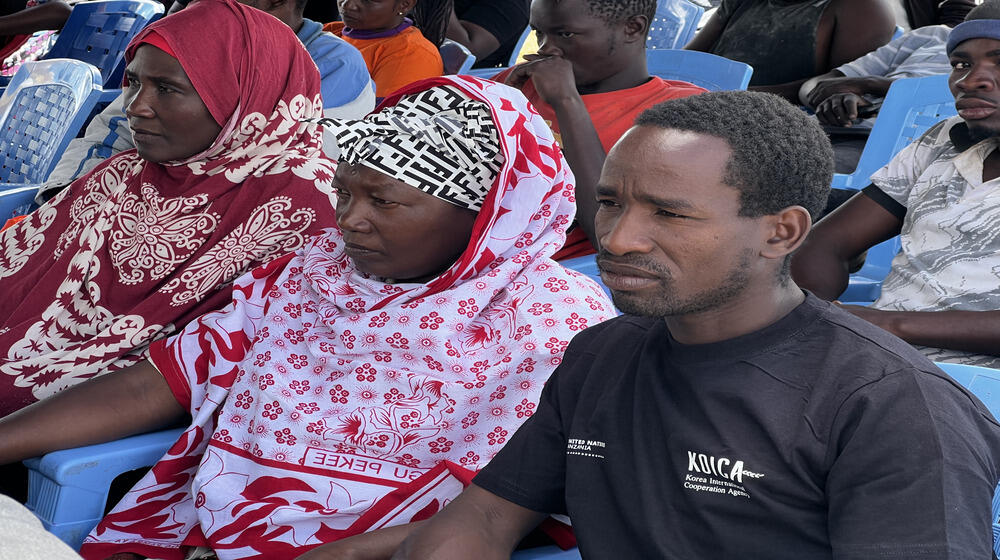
326	403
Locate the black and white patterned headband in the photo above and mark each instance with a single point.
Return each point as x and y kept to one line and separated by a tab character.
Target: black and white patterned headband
438	141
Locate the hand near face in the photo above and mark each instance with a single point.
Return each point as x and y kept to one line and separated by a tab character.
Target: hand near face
840	109
552	77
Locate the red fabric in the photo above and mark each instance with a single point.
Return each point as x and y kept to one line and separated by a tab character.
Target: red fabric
326	402
134	250
157	40
612	114
13	43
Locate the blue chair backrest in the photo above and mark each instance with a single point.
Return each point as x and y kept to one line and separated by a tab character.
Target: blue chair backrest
985	384
912	106
40	111
709	71
517	48
674	24
456	58
98	32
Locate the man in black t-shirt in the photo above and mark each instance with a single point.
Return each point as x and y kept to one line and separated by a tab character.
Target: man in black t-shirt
489	28
730	414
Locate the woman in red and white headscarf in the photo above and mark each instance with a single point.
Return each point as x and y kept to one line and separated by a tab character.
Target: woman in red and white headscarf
225	178
361	381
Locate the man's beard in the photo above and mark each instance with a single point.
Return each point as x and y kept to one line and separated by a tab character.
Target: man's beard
665	302
979	133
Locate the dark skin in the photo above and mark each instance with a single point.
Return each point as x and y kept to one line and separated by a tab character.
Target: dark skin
663	203
837	98
52	15
168	119
860	223
412	235
579	54
374	15
847	30
479	41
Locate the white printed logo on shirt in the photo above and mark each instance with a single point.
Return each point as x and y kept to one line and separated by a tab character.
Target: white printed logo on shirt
718	475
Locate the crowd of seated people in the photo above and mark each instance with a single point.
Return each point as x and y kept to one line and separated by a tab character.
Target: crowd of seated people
354	313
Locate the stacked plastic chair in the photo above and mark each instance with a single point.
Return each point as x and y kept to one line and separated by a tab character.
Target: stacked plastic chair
98	32
911	106
456	57
41	110
710	71
674	24
985	384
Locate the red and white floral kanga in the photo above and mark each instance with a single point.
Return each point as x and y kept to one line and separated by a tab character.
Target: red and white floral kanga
327	403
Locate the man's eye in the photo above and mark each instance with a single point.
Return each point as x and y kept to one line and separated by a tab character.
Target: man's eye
566	34
668	214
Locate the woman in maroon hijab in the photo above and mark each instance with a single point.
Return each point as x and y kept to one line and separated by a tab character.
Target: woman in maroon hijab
224	177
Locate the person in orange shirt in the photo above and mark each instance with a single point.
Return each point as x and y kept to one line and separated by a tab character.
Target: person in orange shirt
395	50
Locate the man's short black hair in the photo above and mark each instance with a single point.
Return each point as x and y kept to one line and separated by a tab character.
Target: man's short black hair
780	156
990	9
614	11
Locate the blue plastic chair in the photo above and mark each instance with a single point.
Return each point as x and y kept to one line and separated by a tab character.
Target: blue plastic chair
912	106
985	384
517	47
68	490
456	57
674	24
865	285
17	201
707	70
44	107
98	32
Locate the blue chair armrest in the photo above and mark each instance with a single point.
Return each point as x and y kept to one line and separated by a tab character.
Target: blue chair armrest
68	489
16	199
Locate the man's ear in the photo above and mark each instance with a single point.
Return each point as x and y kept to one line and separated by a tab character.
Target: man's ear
786	231
636	29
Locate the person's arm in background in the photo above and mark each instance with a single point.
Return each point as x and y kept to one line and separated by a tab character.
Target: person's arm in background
477	524
481	42
553	79
134	400
821	264
706	37
51	15
847	30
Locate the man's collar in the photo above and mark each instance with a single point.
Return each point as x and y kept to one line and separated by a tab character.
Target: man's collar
960	137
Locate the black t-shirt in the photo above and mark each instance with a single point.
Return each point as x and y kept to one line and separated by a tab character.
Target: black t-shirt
820	436
505	19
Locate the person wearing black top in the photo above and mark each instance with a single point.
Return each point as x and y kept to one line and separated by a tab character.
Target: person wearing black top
489	28
729	414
